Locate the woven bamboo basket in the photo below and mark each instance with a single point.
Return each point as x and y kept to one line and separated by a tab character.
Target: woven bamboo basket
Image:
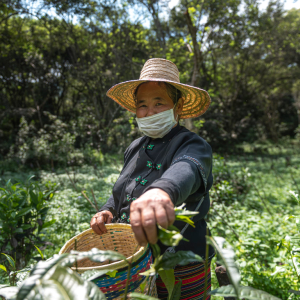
119	238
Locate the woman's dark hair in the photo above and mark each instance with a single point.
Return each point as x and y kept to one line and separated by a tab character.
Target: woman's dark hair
172	91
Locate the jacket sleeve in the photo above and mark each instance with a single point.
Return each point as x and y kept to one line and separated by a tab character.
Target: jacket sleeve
109	204
189	172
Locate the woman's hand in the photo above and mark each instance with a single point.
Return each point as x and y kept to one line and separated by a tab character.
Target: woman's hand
153	207
99	220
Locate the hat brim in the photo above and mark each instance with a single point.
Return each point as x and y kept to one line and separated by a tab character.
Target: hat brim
196	101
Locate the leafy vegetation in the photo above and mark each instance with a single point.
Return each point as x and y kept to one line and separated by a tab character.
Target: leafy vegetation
53	94
57	123
53	277
257	222
23	213
252	208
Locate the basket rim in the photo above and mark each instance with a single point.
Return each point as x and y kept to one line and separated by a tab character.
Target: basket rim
111	266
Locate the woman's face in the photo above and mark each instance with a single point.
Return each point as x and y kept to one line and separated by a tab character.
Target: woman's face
153	98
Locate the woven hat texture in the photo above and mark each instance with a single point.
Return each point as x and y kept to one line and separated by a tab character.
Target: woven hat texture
196	100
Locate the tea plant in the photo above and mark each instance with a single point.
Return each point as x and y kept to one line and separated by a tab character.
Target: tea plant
23	211
237	213
226	256
53	279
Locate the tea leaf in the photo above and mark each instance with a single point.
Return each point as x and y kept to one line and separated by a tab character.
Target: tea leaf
30	177
112	273
151	271
33	198
224	291
40	252
10	260
170	260
139	296
184	212
168	278
3	268
63	283
227	256
296	262
143	285
37	273
176	291
245	293
185	219
169	238
93	274
24	211
48	224
97	255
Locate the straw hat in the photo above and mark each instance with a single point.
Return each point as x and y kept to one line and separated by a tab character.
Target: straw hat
196	100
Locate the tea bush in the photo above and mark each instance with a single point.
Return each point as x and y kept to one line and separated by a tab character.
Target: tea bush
257	222
250	199
23	211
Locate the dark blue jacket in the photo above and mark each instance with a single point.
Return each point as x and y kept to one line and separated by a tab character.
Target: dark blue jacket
180	163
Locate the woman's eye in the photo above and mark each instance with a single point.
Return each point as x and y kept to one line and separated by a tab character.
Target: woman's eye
157	104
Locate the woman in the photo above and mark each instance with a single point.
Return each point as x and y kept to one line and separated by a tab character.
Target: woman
166	167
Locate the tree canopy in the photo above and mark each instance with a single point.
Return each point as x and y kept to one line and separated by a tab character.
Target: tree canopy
56	69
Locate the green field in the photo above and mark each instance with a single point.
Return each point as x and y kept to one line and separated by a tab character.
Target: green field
251	208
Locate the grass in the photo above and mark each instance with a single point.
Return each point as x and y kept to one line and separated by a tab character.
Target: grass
251	204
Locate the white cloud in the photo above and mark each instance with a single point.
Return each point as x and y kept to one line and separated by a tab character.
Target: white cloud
173	3
288	4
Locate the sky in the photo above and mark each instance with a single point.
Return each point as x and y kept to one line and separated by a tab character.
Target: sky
289	4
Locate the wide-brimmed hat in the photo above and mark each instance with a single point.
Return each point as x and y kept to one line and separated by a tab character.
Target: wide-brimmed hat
196	100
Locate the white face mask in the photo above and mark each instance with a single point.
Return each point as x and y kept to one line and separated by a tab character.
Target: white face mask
158	125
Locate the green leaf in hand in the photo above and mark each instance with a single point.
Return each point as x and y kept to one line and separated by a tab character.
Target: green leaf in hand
169	237
185	219
181	214
181	211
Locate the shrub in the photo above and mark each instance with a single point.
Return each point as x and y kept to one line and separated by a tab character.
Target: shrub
23	209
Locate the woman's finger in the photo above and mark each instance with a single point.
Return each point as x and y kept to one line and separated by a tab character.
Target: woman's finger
109	219
170	214
95	227
100	223
136	224
161	216
149	224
